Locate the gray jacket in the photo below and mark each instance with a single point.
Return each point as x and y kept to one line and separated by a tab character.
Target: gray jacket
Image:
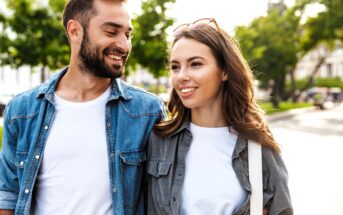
166	170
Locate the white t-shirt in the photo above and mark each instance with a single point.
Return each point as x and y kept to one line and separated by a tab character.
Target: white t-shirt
211	185
74	175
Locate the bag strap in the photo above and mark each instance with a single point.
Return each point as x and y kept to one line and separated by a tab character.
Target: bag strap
255	177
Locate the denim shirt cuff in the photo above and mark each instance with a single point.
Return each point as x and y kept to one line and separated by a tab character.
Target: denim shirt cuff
8	200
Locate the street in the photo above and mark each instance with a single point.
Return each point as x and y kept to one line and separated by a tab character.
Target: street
312	148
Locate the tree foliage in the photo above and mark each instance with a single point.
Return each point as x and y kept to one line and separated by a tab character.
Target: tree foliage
270	44
38	36
326	27
273	44
150	37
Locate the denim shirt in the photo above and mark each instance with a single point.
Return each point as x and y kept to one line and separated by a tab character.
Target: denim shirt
130	115
166	171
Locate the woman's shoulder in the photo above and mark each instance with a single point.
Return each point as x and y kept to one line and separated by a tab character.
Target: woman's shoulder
274	166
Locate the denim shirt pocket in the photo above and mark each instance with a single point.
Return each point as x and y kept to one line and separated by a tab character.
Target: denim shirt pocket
20	162
132	170
161	180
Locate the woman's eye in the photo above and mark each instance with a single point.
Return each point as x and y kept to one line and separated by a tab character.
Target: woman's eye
196	64
174	68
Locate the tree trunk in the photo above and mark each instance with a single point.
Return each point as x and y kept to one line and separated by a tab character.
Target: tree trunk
278	90
312	75
42	74
2	74
30	76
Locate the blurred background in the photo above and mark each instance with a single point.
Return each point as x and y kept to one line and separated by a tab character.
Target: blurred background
295	48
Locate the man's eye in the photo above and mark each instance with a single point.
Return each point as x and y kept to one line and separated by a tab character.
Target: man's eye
111	33
128	36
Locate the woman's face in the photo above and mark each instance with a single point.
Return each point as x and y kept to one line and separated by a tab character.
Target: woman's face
196	77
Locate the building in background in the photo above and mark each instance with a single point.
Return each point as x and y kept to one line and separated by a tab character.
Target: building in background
332	67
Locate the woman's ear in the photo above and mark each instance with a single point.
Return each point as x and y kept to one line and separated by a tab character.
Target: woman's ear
224	76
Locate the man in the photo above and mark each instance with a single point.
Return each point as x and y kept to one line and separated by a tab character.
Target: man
75	145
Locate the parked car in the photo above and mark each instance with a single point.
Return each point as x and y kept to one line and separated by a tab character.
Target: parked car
325	98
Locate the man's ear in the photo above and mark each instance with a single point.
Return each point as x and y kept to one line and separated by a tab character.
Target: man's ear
74	30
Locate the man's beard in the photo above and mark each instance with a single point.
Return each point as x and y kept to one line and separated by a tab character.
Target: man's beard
93	63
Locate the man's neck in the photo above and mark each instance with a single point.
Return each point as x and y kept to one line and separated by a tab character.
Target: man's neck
81	86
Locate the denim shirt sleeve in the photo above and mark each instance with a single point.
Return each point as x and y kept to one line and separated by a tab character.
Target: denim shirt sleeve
276	193
9	186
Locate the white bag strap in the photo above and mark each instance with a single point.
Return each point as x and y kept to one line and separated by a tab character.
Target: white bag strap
255	177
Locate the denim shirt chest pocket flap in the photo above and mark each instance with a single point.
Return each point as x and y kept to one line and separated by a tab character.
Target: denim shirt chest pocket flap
161	180
134	157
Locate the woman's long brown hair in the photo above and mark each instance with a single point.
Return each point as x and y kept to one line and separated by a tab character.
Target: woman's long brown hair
238	101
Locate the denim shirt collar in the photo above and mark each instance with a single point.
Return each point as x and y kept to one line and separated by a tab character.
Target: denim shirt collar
118	87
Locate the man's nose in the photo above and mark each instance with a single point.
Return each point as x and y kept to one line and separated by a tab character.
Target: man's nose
124	44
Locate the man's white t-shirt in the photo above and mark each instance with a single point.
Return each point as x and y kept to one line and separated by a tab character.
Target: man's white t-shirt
211	185
74	175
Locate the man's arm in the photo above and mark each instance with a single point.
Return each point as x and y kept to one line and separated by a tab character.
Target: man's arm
9	186
6	212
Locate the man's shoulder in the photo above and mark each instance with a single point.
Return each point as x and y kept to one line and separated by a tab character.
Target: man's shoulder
26	96
139	93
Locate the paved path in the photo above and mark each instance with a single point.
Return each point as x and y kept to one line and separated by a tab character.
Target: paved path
312	145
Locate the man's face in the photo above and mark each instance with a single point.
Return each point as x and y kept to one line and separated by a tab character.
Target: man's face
106	42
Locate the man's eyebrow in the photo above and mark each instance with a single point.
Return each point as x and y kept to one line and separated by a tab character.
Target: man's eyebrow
115	25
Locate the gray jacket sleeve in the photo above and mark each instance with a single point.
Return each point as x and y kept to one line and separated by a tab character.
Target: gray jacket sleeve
276	193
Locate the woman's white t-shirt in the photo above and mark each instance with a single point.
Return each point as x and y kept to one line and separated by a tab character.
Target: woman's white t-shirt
211	185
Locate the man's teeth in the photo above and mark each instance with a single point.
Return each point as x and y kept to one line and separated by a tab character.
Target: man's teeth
187	90
114	57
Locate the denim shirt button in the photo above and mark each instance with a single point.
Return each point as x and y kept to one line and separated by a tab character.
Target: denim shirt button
115	190
46	127
37	157
26	190
21	163
109	125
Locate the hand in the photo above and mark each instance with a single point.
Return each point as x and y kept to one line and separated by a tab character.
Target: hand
265	211
6	212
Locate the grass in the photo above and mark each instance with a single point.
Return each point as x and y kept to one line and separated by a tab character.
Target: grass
283	106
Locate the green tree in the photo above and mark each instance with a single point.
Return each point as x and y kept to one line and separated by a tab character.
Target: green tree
39	36
4	41
324	30
270	45
150	37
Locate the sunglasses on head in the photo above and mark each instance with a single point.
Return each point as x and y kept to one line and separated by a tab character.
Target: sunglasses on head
197	24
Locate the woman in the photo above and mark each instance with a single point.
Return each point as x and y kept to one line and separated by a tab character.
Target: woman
197	160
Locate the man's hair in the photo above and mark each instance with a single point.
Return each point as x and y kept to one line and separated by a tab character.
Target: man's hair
80	10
